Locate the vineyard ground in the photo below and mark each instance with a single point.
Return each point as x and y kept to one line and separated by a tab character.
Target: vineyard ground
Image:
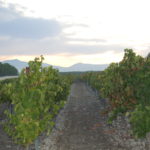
81	125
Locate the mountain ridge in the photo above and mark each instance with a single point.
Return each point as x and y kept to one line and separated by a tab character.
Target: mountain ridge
81	67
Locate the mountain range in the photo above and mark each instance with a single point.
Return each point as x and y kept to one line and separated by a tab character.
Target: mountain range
80	67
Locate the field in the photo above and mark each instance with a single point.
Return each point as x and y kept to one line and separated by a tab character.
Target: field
8	77
78	110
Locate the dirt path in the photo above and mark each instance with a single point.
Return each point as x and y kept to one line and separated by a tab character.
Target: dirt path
82	123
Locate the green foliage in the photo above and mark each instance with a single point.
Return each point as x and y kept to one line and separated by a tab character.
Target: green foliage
93	79
114	113
5	90
7	70
37	96
71	76
126	85
140	121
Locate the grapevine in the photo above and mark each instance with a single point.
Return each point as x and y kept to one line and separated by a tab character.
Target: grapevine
37	96
126	86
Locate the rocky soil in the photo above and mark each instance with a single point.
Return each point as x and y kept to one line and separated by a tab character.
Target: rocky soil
82	125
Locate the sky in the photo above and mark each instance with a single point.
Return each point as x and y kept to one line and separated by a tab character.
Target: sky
66	32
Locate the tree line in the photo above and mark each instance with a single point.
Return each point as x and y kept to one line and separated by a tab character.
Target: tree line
7	70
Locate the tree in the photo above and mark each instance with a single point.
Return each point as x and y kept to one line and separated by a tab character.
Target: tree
7	70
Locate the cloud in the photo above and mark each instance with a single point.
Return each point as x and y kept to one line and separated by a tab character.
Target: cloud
20	35
29	28
93	49
14	24
69	25
53	46
85	40
8	13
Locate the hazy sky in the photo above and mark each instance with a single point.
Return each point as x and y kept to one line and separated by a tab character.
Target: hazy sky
71	31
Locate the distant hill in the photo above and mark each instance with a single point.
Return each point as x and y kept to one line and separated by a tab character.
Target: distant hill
83	67
76	67
17	63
